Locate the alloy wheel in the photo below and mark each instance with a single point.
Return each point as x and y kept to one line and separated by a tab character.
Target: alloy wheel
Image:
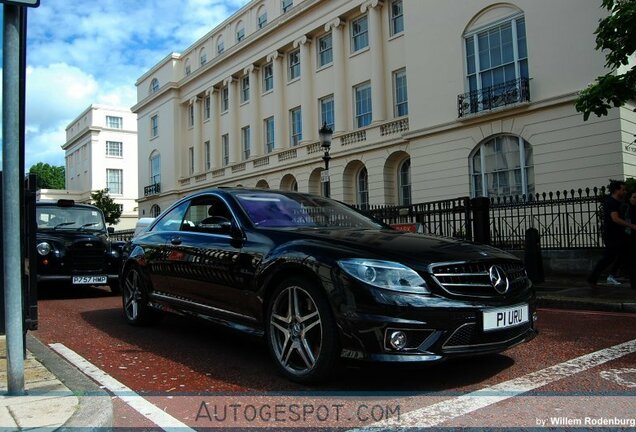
132	295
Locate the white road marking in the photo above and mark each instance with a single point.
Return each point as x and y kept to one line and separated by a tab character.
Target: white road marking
435	415
159	417
616	376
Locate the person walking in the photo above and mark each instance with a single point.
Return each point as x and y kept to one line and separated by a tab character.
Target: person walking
630	217
614	235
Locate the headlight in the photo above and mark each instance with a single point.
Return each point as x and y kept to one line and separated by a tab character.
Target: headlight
385	274
43	248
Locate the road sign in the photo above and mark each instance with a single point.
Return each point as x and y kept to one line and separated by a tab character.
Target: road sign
29	3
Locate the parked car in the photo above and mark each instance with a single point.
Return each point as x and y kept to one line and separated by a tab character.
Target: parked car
73	245
321	281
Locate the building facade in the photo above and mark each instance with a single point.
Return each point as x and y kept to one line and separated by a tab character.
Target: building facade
427	100
101	153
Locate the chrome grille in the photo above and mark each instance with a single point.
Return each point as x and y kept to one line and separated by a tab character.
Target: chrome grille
472	279
86	257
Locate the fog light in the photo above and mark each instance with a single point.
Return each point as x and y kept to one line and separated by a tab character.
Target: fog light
397	340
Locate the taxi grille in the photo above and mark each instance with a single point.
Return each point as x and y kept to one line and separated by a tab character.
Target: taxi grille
469	335
472	279
86	257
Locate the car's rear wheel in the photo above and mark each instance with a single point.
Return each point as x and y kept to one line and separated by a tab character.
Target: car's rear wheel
135	299
301	332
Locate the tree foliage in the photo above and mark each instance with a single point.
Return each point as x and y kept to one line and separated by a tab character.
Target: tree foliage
48	176
616	35
105	203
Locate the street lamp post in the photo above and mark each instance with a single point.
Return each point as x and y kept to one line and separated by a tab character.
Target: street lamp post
325	134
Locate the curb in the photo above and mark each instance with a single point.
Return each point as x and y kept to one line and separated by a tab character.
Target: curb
95	410
584	304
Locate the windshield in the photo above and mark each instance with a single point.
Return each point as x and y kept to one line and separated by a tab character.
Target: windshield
71	218
275	210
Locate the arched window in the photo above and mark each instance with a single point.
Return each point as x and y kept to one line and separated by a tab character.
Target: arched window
203	56
240	32
220	46
363	189
188	67
404	182
155	211
502	166
154	86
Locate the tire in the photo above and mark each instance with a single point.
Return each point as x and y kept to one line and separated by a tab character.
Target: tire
301	332
135	299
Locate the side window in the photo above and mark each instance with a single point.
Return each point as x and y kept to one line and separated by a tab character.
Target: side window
171	221
207	214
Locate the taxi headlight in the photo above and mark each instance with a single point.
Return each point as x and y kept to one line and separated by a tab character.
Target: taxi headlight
43	248
385	274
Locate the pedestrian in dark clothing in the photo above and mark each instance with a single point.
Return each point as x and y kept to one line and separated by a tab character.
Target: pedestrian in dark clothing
630	217
614	235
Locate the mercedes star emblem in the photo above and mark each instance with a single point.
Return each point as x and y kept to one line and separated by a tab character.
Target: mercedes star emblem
498	279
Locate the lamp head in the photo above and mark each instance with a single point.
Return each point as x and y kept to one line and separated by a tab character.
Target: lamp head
325	134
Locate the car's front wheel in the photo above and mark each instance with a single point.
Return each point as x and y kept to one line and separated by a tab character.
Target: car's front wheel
134	297
301	332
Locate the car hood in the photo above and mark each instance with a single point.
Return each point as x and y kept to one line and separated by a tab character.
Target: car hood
403	246
69	237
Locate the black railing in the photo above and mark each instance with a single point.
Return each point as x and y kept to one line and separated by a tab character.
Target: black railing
508	93
565	220
153	189
122	235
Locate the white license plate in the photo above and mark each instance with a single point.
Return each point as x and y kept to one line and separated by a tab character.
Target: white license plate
496	319
87	280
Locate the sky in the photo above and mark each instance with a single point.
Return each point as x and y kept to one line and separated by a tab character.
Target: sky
83	52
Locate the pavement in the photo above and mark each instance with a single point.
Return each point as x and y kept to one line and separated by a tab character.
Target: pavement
60	397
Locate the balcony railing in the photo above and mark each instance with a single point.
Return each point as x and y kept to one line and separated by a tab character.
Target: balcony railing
153	189
488	98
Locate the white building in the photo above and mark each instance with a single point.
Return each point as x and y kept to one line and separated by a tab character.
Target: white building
427	99
101	152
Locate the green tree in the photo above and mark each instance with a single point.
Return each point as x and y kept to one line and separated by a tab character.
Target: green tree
105	203
48	176
616	35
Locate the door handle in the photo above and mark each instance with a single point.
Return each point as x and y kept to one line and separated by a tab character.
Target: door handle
176	241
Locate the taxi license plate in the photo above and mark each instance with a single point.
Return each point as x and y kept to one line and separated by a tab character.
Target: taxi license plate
497	319
88	280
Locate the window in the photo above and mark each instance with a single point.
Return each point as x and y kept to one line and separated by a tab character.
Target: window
208	156
397	17
245	140
191	153
154	86
155	211
245	88
154	126
495	57
203	56
206	107
225	99
363	105
114	148
294	64
262	20
225	144
502	166
191	115
296	124
363	189
155	168
240	33
325	50
188	67
359	34
268	77
400	95
114	181
172	220
326	111
220	46
404	183
286	5
269	134
114	122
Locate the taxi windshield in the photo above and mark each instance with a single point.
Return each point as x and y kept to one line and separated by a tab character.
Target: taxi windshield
69	218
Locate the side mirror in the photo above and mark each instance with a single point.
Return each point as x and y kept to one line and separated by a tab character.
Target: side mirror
111	230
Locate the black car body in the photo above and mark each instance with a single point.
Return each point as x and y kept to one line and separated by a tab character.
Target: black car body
73	245
322	281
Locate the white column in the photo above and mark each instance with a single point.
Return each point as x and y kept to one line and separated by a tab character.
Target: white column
215	134
255	111
308	104
280	118
196	134
339	75
378	84
234	135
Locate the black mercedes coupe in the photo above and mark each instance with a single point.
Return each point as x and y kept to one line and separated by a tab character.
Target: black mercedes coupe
322	282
